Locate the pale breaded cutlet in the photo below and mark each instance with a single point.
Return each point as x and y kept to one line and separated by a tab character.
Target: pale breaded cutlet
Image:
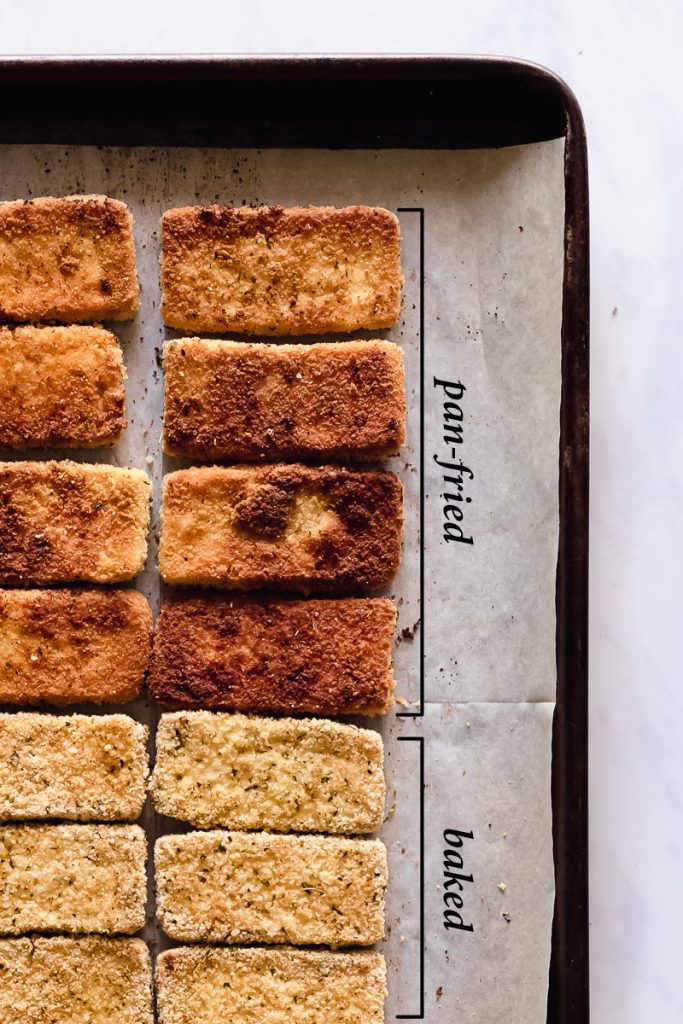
302	986
276	271
326	657
66	521
72	878
280	774
60	386
88	980
73	645
69	259
243	402
246	887
287	527
78	767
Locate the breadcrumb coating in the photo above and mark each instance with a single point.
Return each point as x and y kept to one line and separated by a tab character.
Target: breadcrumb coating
276	271
282	774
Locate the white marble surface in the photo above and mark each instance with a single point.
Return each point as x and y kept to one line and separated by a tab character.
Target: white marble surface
623	61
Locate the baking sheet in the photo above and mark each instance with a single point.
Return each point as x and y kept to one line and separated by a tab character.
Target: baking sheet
493	228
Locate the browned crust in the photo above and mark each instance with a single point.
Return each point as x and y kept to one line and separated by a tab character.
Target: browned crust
67	259
66	521
277	271
73	646
225	527
232	654
60	386
302	986
238	401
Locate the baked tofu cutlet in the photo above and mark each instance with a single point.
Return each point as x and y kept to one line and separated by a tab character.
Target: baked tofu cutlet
276	271
323	657
67	259
72	878
71	646
67	521
89	980
85	768
281	774
245	887
232	400
60	386
302	986
290	527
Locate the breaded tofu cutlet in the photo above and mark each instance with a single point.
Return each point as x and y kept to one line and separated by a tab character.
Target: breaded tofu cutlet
288	527
276	271
245	887
67	259
301	986
89	980
72	878
73	645
232	400
280	774
79	767
67	521
60	386
326	657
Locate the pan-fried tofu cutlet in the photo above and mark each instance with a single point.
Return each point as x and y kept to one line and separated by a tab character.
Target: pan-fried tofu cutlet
72	646
283	774
232	400
290	527
70	259
80	767
66	521
60	386
244	887
72	878
89	980
326	657
302	986
276	271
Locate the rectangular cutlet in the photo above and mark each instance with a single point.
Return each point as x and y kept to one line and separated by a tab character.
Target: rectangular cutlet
60	386
67	521
288	527
325	657
276	271
67	259
280	774
89	980
72	878
241	402
79	767
302	986
245	887
71	646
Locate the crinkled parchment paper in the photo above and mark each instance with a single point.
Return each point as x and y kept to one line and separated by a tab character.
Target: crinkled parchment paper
493	231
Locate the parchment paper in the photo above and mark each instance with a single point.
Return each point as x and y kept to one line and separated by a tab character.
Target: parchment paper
493	229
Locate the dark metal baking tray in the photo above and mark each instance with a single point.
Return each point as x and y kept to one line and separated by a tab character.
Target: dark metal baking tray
381	102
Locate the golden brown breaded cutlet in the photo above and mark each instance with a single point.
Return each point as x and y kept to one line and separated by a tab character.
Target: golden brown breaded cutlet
302	986
288	527
71	646
72	878
89	980
280	774
67	521
232	400
78	767
60	386
244	887
276	271
67	259
326	657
